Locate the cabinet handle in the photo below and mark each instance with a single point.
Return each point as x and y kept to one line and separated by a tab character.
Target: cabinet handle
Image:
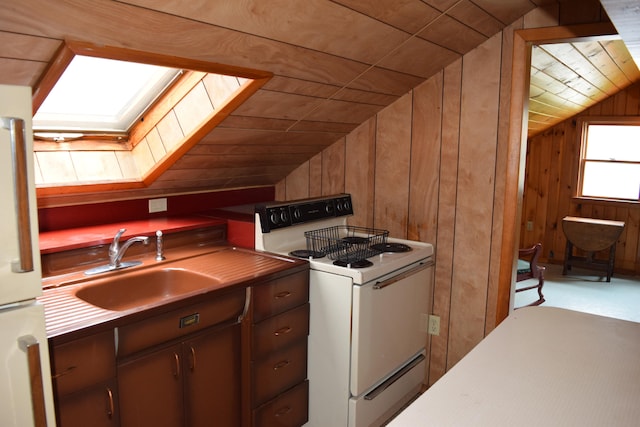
283	294
176	359
281	365
192	362
283	411
282	331
110	407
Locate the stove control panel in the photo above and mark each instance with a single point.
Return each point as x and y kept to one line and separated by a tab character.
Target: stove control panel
280	215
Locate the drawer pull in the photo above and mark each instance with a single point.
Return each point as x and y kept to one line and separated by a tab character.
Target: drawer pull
176	359
282	331
283	294
109	403
67	371
283	411
280	365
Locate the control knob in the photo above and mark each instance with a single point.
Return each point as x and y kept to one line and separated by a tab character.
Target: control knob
274	217
329	208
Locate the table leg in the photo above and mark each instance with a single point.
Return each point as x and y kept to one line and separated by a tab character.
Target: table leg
612	259
567	258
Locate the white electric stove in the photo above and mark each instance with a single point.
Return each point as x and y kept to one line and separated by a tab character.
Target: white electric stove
370	296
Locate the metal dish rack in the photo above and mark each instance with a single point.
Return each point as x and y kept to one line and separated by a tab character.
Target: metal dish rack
345	243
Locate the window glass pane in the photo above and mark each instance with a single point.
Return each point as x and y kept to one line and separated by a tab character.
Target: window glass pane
612	180
101	95
613	142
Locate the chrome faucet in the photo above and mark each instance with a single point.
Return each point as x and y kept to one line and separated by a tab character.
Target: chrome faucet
116	252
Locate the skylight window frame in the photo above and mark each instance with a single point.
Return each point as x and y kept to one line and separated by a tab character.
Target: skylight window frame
251	80
63	126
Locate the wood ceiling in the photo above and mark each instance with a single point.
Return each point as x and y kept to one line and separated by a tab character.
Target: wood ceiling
567	78
336	63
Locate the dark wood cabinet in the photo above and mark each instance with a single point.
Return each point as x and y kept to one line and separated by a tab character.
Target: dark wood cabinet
215	362
193	383
183	367
278	326
84	379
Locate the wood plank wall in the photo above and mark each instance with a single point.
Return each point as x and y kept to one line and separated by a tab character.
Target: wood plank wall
432	167
550	186
424	168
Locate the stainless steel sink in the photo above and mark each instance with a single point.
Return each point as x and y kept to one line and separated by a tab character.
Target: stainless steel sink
143	288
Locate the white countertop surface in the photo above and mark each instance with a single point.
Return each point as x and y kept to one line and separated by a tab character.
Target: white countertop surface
542	366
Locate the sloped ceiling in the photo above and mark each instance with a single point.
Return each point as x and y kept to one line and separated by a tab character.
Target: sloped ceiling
567	78
336	63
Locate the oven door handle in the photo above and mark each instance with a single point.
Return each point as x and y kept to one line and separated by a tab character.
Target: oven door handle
395	377
391	281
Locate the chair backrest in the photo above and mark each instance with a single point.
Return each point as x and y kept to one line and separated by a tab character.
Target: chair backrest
528	262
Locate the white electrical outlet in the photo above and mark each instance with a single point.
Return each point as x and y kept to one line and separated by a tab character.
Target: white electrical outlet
157	205
434	325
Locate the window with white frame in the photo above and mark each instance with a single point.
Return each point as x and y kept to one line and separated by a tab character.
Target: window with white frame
610	159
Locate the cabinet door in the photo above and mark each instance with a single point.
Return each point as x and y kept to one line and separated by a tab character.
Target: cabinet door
212	375
94	407
150	389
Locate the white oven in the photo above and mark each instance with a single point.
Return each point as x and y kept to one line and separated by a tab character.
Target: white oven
368	326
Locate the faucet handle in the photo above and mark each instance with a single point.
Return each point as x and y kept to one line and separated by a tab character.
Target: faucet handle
119	234
115	245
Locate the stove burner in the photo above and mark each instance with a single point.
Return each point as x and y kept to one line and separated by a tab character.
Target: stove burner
362	263
391	247
306	253
355	240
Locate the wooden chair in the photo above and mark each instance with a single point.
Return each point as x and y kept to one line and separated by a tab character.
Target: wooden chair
528	268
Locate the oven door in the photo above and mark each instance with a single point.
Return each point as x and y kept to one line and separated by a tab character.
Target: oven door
390	319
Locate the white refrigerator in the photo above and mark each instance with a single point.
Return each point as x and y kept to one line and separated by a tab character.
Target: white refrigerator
26	397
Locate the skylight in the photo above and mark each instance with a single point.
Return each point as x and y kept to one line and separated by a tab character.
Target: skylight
101	95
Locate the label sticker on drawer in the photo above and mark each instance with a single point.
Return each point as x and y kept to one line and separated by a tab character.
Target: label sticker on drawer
192	319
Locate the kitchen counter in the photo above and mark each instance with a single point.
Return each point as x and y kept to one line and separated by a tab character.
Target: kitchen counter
542	366
66	314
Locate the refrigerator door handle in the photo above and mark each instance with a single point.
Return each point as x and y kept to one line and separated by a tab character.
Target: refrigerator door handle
31	346
19	152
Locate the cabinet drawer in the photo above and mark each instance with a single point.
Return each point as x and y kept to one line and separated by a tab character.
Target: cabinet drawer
279	331
84	362
174	324
290	409
279	372
280	295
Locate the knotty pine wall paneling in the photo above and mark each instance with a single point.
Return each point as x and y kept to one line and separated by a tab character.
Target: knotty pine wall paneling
550	187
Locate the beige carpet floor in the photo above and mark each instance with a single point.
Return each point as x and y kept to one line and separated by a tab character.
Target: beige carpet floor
588	291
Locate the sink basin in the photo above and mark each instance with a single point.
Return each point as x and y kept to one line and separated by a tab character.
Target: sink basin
143	288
